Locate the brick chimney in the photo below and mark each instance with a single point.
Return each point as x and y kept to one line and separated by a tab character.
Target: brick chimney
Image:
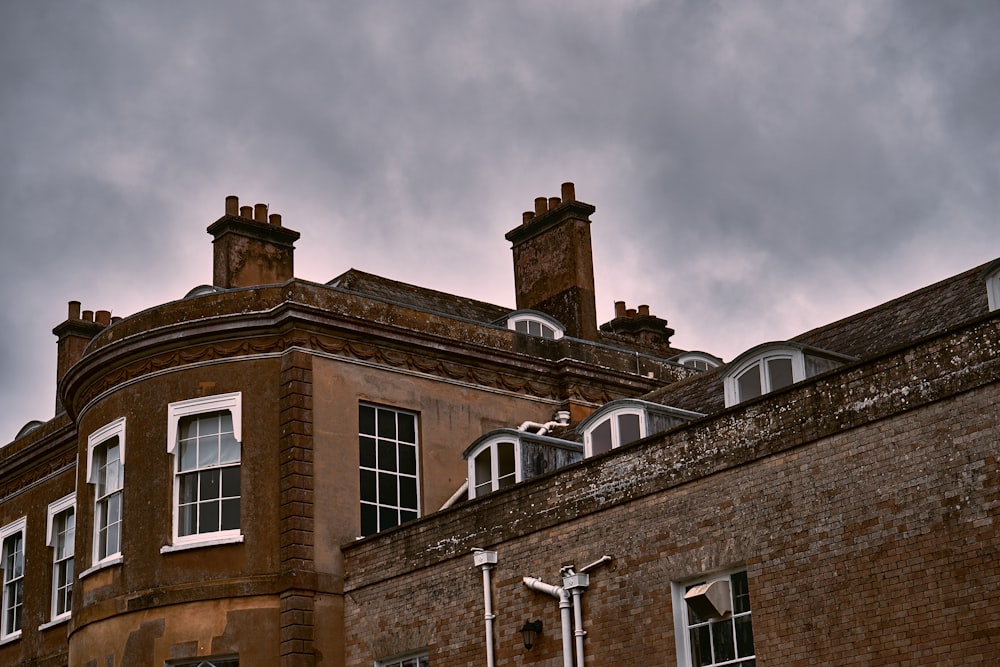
73	335
250	247
554	264
639	325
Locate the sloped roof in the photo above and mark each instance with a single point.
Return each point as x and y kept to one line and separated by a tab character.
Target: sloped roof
420	298
867	334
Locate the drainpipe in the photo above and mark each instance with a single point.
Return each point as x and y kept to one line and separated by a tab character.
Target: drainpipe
487	560
565	605
576	584
458	495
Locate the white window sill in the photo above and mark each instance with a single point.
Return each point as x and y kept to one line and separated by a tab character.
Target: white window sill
59	620
207	542
13	637
117	560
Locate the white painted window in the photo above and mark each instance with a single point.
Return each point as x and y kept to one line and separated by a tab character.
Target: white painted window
993	289
61	536
698	360
204	436
106	471
230	661
493	466
535	324
388	456
12	545
614	430
712	621
415	660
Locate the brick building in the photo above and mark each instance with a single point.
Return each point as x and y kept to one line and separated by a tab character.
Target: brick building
271	471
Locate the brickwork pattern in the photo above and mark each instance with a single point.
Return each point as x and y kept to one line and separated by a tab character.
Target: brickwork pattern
862	505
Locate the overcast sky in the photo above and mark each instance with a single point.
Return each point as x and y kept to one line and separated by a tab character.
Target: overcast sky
758	168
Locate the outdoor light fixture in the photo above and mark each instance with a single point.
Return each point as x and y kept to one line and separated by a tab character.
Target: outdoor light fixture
530	632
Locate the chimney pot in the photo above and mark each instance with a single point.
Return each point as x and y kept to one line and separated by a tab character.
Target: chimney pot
260	212
619	309
103	317
116	318
527	217
246	211
554	203
541	205
568	192
74	310
644	311
232	205
88	316
275	219
630	312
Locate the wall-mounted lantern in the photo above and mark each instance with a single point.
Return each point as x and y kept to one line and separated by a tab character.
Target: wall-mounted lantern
530	632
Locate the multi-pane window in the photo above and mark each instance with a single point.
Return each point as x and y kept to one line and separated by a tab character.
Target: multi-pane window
419	660
108	474
203	434
388	467
618	429
207	662
61	536
12	552
208	475
535	324
717	632
494	467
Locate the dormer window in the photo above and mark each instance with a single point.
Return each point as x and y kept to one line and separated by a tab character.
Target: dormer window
493	467
774	366
533	323
993	286
506	456
624	421
698	360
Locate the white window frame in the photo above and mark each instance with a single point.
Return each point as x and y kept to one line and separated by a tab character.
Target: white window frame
194	407
993	289
681	627
379	470
493	446
54	510
207	661
12	579
418	659
96	439
616	440
544	323
731	379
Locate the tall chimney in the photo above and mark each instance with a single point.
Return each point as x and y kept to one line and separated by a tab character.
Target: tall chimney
72	336
554	264
250	248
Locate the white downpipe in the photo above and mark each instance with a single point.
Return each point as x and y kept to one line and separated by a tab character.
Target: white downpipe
565	606
487	560
461	493
576	584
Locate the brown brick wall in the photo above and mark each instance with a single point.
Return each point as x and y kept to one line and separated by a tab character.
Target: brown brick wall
862	505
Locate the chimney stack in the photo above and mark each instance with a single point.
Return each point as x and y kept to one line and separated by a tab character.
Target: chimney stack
250	247
554	264
72	336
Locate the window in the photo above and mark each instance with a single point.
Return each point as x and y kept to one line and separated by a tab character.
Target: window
106	470
418	660
698	360
712	622
388	456
207	662
61	531
494	467
12	541
773	366
535	324
617	429
204	437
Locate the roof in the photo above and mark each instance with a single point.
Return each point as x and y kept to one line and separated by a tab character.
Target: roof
867	334
420	298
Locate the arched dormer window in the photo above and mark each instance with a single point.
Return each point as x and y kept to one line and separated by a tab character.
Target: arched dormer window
698	360
534	323
506	456
993	285
620	422
773	366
